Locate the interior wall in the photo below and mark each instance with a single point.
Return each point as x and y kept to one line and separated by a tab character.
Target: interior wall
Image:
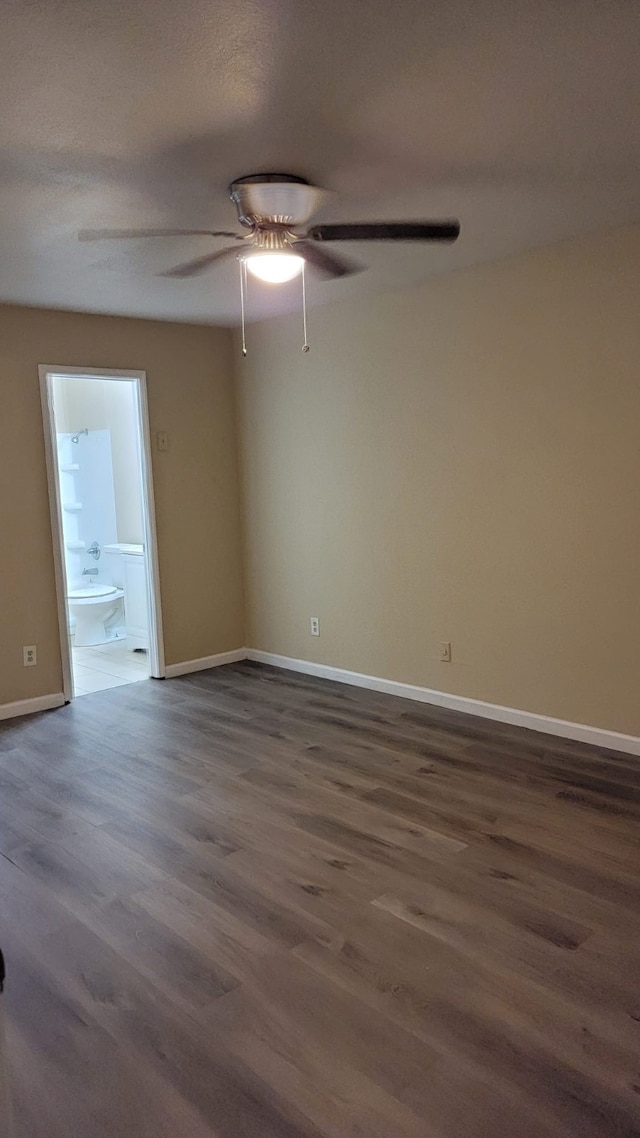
103	404
190	394
457	463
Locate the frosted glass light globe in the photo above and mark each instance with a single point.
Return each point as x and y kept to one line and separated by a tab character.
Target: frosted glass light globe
276	268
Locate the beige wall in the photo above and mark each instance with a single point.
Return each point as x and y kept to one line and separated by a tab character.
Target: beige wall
458	463
190	396
103	404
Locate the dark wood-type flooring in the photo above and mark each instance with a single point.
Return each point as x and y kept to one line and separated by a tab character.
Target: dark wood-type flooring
251	904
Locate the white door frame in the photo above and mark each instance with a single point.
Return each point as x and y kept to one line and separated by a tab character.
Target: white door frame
139	378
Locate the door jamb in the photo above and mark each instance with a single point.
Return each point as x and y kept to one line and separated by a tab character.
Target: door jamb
156	640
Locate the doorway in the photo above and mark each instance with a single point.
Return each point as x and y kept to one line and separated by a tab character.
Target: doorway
103	525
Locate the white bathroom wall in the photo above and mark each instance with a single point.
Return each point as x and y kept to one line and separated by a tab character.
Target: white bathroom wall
103	404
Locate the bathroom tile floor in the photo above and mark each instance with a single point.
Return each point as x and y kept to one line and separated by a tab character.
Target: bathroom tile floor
107	666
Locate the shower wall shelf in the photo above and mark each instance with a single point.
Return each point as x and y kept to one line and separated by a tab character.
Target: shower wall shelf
72	507
69	467
76	546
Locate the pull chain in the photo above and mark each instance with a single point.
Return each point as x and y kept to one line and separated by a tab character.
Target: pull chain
243	291
243	285
305	346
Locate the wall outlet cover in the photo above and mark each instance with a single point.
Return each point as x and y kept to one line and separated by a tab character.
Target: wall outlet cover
30	655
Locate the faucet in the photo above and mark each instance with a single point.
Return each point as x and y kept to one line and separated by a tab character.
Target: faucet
91	572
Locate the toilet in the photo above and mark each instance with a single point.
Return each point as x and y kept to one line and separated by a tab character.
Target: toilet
95	610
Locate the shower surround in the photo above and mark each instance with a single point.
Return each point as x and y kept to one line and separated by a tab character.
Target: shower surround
88	502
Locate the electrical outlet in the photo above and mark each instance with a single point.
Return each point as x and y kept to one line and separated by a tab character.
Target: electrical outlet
315	625
162	439
29	655
445	652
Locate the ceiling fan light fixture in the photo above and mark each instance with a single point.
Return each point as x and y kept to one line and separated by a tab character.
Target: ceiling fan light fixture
275	268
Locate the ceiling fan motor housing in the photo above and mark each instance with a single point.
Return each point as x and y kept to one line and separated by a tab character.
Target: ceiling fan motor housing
274	199
270	240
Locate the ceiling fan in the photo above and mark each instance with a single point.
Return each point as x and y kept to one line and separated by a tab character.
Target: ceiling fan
273	207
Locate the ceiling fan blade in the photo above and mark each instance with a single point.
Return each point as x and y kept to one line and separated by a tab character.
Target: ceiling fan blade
200	264
329	264
387	231
123	234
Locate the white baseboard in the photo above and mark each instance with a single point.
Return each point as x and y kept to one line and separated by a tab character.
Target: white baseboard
204	662
29	706
581	732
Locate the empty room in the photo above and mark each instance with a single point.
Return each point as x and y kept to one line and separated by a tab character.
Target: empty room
320	620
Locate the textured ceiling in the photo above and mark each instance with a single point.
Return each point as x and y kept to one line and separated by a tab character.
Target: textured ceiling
520	118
